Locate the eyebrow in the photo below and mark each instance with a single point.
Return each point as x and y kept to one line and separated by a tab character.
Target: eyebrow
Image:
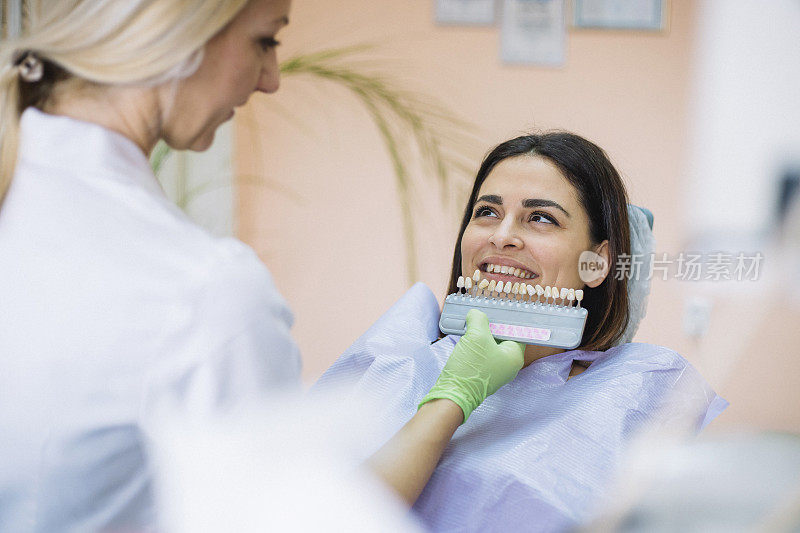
527	203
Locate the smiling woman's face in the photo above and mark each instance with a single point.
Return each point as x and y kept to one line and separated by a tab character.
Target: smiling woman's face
528	217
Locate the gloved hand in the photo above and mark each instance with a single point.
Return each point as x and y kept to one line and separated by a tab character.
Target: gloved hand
477	367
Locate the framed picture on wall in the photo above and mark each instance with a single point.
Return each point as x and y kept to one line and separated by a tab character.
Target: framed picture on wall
651	15
465	12
533	32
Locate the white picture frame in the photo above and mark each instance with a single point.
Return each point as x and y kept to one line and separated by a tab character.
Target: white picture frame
643	15
465	12
533	32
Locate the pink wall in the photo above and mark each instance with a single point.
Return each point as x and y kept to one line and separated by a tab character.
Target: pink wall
325	218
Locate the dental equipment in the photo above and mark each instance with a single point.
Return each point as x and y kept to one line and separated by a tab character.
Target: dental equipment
515	315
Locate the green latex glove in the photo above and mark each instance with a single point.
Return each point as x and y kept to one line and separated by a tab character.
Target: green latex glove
477	367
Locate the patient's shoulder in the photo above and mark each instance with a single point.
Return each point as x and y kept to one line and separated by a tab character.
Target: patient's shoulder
640	355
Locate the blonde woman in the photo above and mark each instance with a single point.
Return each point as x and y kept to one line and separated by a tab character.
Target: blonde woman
111	301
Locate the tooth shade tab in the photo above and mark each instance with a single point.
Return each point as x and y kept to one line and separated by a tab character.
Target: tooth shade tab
460	282
507	288
476	276
571	296
531	290
492	286
483	284
547	292
579	296
563	294
468	283
515	288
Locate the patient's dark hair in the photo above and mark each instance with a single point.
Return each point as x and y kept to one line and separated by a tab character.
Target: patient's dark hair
603	197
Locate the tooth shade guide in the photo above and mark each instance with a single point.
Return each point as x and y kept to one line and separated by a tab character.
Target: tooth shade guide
530	323
476	276
579	296
571	296
468	284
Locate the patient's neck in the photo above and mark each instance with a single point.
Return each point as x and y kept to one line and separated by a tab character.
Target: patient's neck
532	353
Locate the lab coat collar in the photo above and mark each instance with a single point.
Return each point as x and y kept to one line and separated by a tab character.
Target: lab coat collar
93	151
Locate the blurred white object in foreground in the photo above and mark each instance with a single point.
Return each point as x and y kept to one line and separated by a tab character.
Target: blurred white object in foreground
285	466
733	483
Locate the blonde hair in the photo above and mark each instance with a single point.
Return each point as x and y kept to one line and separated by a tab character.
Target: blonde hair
108	42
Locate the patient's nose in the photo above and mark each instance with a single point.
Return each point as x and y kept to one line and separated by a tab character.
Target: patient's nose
506	235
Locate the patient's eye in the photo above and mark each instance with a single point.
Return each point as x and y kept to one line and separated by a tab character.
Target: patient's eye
484	211
543	218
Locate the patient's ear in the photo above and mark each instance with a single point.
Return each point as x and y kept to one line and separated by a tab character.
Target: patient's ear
601	250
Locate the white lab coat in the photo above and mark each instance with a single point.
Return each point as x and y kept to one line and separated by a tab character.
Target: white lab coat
112	305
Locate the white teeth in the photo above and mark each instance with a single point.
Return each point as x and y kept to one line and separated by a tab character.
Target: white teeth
504	269
507	288
460	282
468	283
476	277
530	290
515	288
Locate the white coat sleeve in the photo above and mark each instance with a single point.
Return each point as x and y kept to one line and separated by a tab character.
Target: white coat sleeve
232	347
